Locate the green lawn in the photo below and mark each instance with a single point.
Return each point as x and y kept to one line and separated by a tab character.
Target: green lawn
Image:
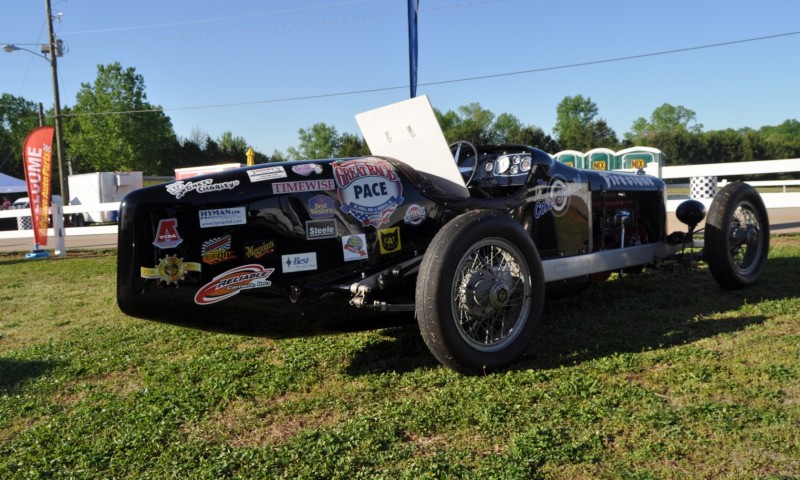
660	375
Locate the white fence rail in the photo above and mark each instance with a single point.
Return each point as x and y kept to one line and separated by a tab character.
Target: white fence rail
784	199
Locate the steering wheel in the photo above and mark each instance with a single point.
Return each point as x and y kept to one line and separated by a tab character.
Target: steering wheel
465	155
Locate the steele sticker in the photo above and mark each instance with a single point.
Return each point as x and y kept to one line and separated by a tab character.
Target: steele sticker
233	281
354	247
369	189
221	217
316	229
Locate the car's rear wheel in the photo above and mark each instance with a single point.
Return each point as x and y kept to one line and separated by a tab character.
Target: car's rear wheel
737	236
480	292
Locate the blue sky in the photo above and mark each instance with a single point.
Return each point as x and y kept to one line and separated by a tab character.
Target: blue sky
241	65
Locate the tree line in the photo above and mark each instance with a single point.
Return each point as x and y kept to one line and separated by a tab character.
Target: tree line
140	136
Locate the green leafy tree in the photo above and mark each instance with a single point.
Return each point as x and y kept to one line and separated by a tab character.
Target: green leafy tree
318	141
17	118
725	146
602	135
472	123
782	141
234	148
509	129
577	127
113	127
666	118
351	145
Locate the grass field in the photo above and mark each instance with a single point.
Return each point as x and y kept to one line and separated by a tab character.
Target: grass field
660	375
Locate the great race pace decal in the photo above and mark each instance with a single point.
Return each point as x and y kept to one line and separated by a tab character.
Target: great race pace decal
369	189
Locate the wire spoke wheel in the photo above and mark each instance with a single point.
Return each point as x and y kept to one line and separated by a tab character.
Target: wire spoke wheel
737	236
491	294
744	238
480	292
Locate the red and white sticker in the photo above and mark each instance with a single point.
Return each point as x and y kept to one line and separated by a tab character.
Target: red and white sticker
167	235
233	281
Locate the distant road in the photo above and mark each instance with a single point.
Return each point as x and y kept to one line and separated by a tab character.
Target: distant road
782	220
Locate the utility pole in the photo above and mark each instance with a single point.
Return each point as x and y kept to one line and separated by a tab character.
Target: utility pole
57	106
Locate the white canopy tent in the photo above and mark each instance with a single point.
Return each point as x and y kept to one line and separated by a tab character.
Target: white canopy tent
10	184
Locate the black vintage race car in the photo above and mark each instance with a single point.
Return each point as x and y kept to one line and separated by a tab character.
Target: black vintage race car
468	238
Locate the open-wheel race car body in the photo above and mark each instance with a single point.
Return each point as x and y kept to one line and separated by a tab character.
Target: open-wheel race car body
469	238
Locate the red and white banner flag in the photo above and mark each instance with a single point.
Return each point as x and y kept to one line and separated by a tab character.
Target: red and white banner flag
37	154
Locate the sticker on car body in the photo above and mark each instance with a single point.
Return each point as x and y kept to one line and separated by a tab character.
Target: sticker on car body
355	247
317	229
167	235
389	240
180	188
303	186
266	173
259	249
233	281
217	250
321	206
170	269
221	217
369	189
299	262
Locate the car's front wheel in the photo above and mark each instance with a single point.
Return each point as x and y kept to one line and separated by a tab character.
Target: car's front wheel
737	236
480	292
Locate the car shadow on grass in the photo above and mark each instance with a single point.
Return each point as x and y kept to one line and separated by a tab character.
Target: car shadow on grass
14	373
654	310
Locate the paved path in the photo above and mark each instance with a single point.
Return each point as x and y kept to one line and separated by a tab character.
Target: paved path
782	220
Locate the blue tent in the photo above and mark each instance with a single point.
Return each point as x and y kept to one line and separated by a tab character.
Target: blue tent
12	185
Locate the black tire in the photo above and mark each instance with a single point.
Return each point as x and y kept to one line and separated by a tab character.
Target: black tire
737	236
480	292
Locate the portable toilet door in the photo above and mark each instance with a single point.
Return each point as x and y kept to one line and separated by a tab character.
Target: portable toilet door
600	159
573	158
646	158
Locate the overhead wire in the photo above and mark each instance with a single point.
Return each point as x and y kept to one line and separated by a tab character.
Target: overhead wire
451	81
262	28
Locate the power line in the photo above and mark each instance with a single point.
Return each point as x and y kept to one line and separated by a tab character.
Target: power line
214	19
263	28
457	80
